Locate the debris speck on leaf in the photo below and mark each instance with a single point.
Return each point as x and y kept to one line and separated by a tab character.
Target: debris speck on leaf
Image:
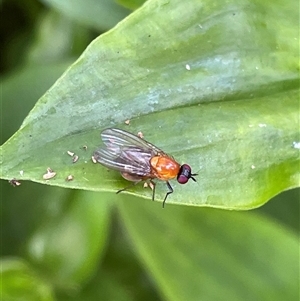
70	153
49	175
75	158
151	185
140	134
14	182
69	178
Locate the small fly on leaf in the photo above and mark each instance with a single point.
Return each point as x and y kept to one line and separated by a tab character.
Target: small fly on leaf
138	160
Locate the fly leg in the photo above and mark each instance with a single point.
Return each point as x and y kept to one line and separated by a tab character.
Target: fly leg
129	186
169	192
130	177
153	189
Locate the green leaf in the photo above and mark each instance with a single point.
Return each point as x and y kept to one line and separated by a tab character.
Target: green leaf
20	90
214	85
131	4
285	207
100	15
58	28
120	275
67	248
20	283
205	254
24	209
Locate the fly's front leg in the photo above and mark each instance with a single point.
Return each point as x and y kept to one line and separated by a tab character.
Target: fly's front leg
169	192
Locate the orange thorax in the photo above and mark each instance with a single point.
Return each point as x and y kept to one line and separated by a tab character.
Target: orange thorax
164	168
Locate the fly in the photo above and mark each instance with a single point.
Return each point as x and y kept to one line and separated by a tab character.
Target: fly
138	160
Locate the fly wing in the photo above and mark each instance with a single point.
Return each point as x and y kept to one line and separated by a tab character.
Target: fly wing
126	139
126	152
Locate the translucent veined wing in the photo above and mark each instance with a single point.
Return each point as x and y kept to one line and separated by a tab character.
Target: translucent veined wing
126	152
126	139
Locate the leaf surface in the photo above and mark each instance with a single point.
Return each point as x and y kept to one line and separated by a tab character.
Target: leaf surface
214	85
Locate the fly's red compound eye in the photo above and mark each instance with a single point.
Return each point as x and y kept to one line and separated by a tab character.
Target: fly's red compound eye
185	173
182	179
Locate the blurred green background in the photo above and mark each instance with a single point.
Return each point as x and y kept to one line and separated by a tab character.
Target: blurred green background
60	244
